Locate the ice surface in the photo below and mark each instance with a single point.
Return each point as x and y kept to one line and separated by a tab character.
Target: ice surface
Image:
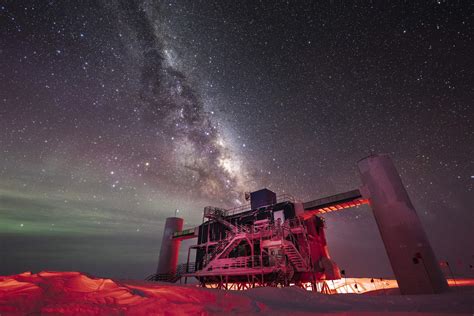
73	293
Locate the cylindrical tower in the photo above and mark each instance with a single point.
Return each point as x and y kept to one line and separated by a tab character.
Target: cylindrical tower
168	261
410	253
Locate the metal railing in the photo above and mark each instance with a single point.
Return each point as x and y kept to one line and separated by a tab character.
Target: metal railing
227	264
222	244
182	268
247	207
213	212
218	248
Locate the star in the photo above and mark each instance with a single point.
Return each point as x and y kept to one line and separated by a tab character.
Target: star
116	113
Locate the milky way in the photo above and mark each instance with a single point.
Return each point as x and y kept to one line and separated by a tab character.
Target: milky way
169	102
114	114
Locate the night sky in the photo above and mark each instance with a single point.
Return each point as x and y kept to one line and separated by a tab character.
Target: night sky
113	114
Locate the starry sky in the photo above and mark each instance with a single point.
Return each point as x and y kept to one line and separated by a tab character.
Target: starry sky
113	114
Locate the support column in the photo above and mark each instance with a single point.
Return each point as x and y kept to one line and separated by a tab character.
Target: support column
169	251
409	251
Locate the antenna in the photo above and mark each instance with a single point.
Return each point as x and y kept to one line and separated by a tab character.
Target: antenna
247	195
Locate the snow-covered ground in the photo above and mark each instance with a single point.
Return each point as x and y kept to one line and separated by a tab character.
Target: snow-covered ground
73	293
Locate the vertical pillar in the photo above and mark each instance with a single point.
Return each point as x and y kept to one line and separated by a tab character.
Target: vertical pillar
409	251
169	251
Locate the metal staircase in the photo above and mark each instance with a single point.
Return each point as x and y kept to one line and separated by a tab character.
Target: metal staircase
295	257
217	215
229	225
222	247
219	247
173	277
164	277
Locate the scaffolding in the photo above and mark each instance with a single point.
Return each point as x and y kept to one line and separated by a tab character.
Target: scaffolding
267	246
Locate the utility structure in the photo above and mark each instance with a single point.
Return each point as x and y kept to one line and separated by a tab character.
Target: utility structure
278	241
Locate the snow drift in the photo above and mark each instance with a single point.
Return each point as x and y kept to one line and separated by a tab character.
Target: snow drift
73	293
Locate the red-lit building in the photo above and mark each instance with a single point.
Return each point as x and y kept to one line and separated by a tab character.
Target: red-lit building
270	243
280	241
